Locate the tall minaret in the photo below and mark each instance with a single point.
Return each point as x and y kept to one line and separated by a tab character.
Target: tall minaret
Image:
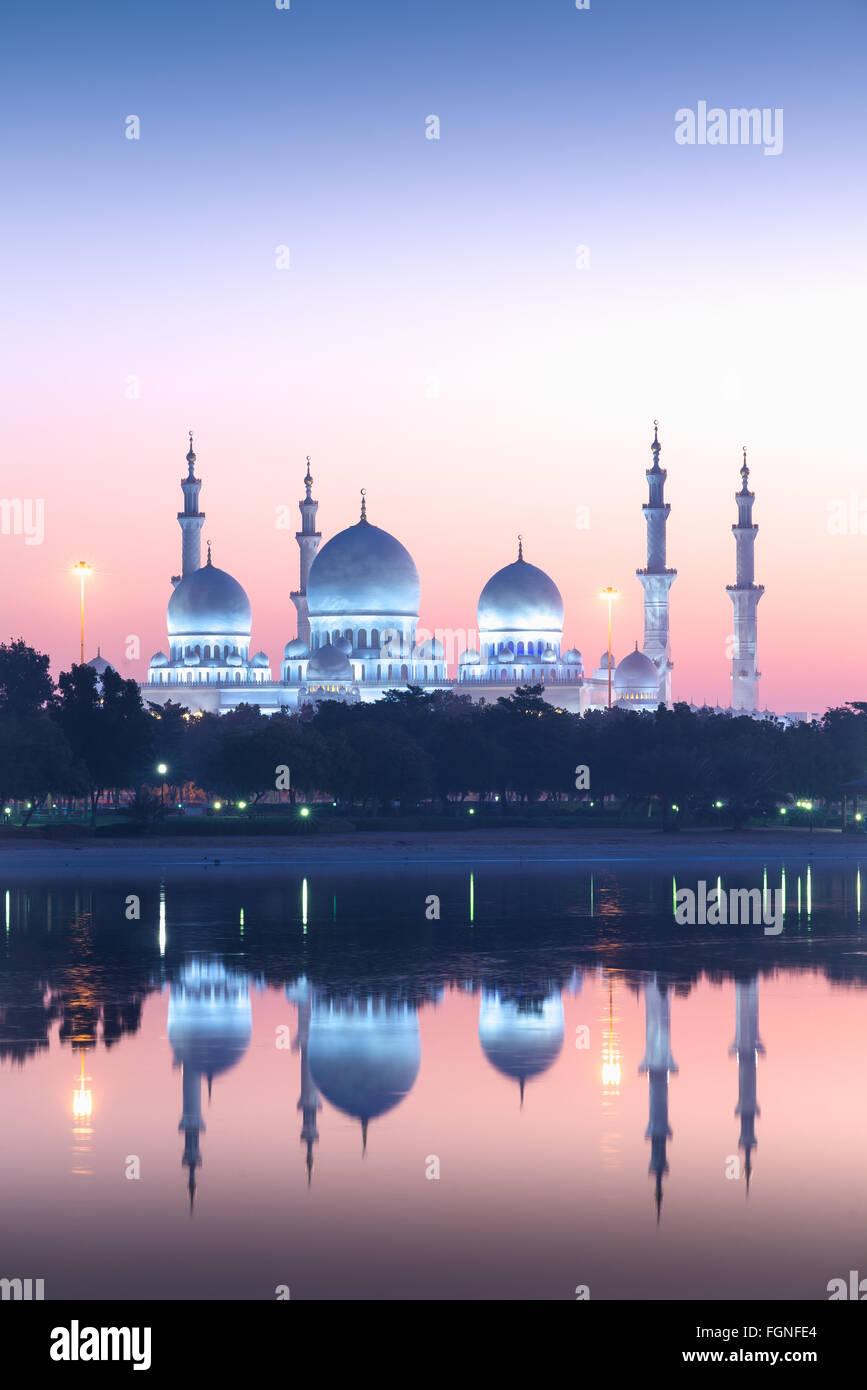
656	580
308	539
657	1063
745	595
191	521
747	1045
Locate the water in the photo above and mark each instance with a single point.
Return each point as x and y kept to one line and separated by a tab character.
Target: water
288	1062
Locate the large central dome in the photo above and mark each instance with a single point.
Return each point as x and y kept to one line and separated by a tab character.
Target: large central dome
209	601
363	570
522	598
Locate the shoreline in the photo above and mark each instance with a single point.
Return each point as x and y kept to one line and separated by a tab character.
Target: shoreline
380	848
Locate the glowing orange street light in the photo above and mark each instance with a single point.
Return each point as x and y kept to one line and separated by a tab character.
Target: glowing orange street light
83	570
609	594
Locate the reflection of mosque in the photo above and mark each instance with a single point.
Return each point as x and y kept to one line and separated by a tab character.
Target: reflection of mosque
209	1027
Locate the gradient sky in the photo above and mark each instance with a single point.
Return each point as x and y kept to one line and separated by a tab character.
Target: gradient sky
433	339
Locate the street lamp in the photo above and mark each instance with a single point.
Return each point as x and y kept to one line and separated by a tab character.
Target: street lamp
609	594
83	570
162	770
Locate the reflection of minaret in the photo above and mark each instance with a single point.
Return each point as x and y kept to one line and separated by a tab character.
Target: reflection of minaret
657	1062
747	1045
209	1028
308	539
656	580
745	595
190	520
309	1102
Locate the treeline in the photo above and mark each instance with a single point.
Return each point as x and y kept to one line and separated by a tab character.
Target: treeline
86	738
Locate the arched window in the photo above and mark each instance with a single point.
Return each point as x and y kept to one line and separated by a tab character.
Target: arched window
237	677
425	673
362	637
520	649
335	634
511	647
379	673
348	634
374	637
404	673
389	673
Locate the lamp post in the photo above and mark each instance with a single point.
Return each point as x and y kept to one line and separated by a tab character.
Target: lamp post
162	770
83	570
609	594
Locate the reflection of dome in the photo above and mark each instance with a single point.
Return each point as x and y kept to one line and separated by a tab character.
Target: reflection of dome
520	597
329	663
210	1021
363	570
364	1055
209	601
521	1037
297	649
469	658
637	674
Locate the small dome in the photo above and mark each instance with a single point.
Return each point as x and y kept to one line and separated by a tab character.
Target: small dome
297	648
549	654
573	657
469	658
99	664
209	601
343	644
637	672
363	570
603	661
430	650
365	1055
520	598
159	659
329	663
192	659
260	659
234	660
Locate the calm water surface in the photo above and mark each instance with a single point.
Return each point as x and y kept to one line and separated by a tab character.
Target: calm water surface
608	1099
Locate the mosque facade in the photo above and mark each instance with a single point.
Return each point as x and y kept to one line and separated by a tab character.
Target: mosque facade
357	611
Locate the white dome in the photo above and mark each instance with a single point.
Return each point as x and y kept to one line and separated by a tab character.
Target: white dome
344	645
469	658
520	598
637	674
209	601
159	659
297	649
573	657
329	663
363	570
549	654
260	659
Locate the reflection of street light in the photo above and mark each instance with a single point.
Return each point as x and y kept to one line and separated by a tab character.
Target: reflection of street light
83	570
609	594
162	770
82	1100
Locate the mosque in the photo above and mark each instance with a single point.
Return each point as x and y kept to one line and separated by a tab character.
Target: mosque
357	606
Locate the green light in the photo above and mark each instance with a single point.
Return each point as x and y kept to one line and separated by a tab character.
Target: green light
162	769
242	805
305	811
717	804
472	811
218	805
782	810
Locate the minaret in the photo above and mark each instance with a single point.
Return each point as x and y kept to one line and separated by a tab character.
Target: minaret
747	1045
656	580
308	539
657	1062
745	595
191	521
